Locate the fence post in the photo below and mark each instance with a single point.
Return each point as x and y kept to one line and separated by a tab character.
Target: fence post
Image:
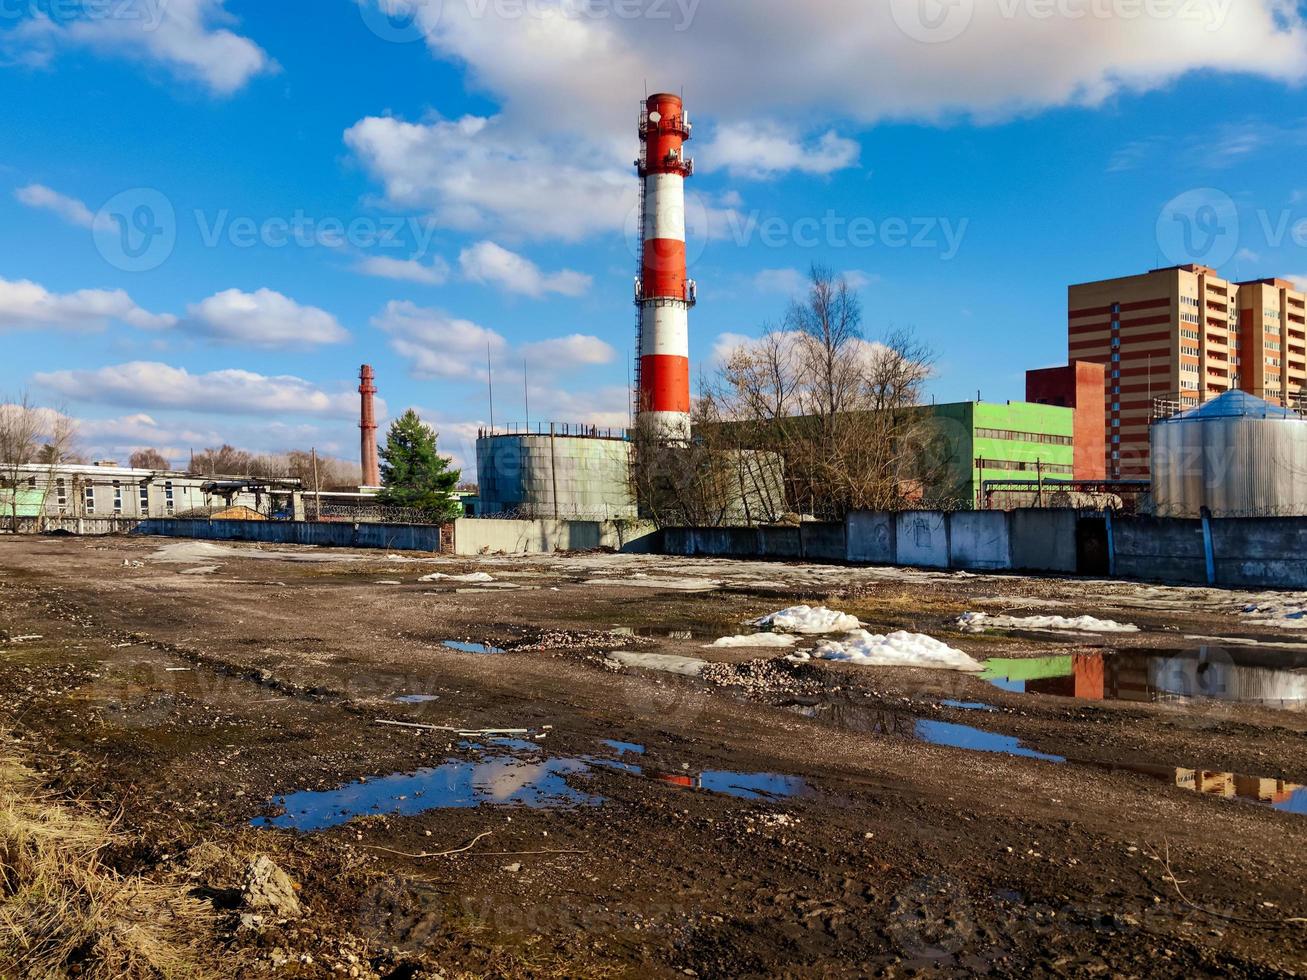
1209	551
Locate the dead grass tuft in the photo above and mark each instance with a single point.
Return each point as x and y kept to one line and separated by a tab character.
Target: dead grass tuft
63	912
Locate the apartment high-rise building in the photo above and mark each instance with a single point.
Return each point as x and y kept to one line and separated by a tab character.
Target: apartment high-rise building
1181	336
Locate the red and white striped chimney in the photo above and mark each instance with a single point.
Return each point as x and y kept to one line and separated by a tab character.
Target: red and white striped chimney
664	292
368	429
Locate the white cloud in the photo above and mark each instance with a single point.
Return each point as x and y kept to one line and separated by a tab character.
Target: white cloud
183	36
264	319
562	353
477	173
852	59
486	262
146	384
436	344
763	150
69	208
406	270
25	305
857	279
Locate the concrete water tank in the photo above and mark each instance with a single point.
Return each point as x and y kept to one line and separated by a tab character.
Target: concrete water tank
1237	454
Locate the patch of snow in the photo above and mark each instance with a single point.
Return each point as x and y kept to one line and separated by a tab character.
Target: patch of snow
665	662
1283	612
388	581
809	620
899	649
978	622
470	577
756	640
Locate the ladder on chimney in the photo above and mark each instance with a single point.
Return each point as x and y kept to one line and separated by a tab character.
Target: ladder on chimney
636	407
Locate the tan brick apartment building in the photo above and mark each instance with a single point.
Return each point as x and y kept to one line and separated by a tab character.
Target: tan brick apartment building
1182	335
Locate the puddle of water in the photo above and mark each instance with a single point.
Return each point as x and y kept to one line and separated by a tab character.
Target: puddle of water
415	698
975	739
496	780
464	647
1275	793
968	705
1242	675
635	748
505	780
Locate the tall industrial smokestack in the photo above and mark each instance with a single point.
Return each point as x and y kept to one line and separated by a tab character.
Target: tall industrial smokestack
368	429
664	293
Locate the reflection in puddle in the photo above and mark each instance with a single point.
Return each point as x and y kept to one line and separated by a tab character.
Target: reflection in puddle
464	647
976	739
500	780
1275	793
415	698
1231	674
505	780
623	747
656	633
968	705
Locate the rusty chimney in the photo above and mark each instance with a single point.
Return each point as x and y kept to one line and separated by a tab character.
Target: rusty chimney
368	429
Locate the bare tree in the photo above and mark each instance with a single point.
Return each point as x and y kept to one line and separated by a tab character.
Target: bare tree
843	413
225	460
149	459
31	437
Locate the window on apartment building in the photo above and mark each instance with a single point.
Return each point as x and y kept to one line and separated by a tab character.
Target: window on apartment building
1116	375
89	497
117	497
1116	440
1116	309
1116	341
1116	406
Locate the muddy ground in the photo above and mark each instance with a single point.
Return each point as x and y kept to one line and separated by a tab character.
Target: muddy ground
189	688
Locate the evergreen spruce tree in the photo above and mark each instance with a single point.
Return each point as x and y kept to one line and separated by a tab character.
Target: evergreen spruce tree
414	474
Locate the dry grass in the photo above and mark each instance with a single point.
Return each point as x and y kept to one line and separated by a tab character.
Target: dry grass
63	912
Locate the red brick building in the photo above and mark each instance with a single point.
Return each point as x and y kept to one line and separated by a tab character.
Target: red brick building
1080	385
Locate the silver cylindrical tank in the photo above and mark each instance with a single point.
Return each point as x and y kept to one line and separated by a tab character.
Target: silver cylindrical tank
1237	454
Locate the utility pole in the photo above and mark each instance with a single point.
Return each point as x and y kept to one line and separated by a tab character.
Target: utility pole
317	490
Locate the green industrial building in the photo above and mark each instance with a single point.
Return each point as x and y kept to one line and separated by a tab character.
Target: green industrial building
975	442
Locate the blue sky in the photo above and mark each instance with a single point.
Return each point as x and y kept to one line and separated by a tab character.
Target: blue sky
309	186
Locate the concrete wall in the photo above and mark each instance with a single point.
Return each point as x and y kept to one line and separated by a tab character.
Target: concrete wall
469	537
823	542
1260	552
870	537
475	536
921	537
978	540
1043	540
780	542
1158	548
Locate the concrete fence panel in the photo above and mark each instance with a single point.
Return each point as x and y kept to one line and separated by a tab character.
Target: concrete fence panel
1043	540
780	542
1159	549
921	538
978	540
823	542
1269	552
869	537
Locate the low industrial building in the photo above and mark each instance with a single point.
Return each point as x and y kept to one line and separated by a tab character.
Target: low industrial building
70	492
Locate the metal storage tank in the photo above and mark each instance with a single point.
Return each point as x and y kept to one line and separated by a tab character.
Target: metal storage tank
1237	454
566	476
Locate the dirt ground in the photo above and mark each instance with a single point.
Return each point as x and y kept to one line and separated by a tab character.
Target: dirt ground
185	689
